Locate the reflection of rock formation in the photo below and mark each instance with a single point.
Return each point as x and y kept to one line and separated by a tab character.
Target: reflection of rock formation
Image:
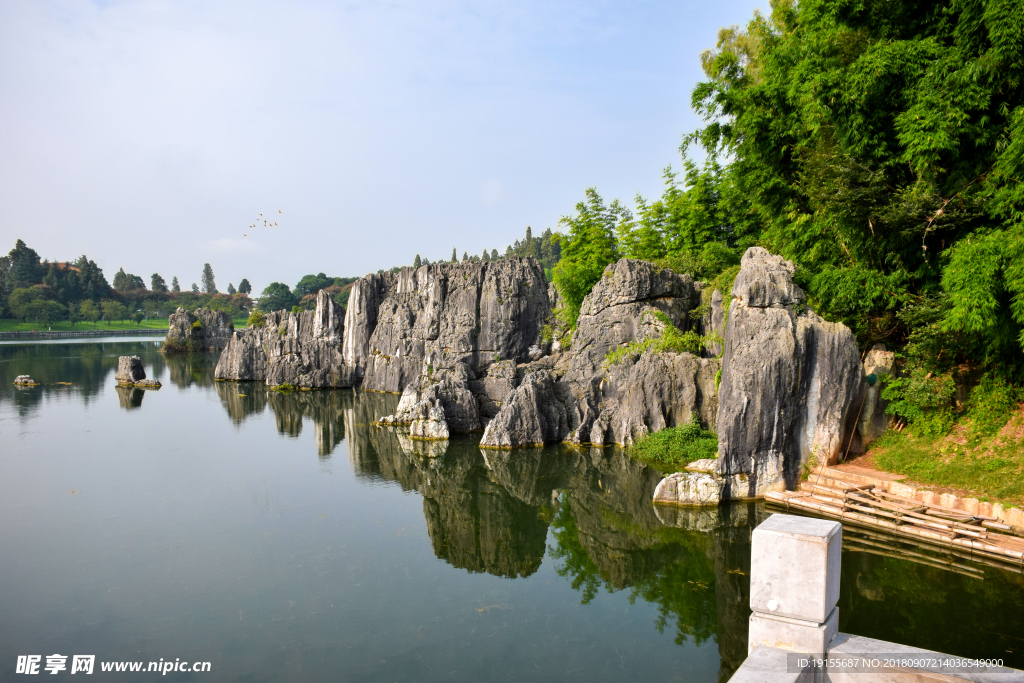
476	524
193	368
129	398
241	400
325	409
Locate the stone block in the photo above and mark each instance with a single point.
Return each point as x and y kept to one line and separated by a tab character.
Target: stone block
795	635
794	567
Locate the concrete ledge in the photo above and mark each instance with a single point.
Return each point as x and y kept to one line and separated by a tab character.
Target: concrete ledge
768	665
792	635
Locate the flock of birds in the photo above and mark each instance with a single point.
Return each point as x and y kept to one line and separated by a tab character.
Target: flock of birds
267	223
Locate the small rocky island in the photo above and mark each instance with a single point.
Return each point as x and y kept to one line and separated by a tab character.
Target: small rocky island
197	331
130	373
474	346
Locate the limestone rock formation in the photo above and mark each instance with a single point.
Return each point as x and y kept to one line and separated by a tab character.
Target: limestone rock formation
25	381
539	411
473	313
200	330
580	398
789	380
303	349
437	401
129	370
130	373
873	421
429	420
683	488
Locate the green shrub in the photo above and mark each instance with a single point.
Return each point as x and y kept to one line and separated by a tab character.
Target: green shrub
922	399
197	325
257	318
285	388
672	340
990	405
672	449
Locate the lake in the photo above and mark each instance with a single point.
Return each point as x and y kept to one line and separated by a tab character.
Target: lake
284	537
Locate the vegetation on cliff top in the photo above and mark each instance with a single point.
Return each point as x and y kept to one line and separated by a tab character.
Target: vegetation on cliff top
880	146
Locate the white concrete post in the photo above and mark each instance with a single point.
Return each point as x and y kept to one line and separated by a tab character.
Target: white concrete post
794	583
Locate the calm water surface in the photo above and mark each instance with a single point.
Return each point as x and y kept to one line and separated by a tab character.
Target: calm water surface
284	538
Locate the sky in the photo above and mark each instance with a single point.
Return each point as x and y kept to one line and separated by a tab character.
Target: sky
151	134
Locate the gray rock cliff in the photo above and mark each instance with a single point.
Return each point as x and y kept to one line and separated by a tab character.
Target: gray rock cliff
580	398
303	349
789	380
473	313
199	330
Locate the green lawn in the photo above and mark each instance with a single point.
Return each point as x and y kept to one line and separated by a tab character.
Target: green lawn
7	325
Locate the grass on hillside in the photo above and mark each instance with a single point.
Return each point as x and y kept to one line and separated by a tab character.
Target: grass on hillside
989	463
8	325
672	449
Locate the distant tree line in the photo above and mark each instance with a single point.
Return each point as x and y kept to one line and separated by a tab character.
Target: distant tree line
547	249
278	295
45	292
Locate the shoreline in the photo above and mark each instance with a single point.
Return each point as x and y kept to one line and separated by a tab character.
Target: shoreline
69	334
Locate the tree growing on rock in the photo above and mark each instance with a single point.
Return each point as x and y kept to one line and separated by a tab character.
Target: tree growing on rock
587	249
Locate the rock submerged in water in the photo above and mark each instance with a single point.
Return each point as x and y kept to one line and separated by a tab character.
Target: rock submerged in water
130	373
25	381
197	331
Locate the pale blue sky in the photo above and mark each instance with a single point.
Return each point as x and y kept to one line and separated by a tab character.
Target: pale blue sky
150	134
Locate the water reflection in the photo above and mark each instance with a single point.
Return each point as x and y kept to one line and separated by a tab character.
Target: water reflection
129	398
585	512
60	369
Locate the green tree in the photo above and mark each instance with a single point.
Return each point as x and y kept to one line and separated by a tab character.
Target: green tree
455	255
24	268
881	147
244	287
90	311
45	312
416	262
157	283
73	313
21	299
138	317
231	289
175	287
209	285
587	249
311	284
277	296
195	289
113	310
